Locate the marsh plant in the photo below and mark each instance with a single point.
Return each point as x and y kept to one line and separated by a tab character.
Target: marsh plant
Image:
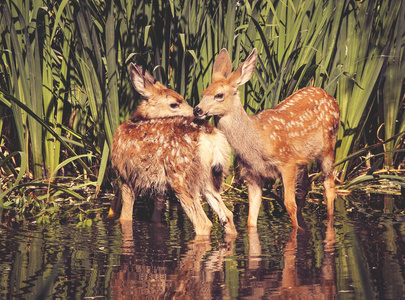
65	87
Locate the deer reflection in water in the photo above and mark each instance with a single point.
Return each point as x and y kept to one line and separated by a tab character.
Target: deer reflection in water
292	282
201	274
198	275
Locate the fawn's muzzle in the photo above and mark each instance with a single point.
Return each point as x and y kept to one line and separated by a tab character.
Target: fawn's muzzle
197	111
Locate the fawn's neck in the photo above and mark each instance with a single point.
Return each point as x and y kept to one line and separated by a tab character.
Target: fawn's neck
242	135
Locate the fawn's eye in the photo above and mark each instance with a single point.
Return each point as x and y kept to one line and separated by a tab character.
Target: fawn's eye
219	97
174	105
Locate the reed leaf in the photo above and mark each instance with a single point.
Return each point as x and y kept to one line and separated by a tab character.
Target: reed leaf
45	126
392	94
64	68
20	175
365	45
400	180
112	71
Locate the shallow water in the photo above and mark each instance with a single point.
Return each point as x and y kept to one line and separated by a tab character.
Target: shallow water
360	256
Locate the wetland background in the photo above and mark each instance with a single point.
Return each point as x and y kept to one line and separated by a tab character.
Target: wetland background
64	89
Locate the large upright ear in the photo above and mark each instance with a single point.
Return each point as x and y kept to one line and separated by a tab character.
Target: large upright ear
245	71
222	66
142	81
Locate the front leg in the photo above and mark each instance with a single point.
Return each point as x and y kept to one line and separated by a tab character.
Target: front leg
193	209
128	199
224	214
255	201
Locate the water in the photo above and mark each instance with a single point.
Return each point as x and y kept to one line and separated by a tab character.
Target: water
360	256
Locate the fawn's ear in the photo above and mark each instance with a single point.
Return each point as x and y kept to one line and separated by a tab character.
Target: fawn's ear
245	70
222	66
142	81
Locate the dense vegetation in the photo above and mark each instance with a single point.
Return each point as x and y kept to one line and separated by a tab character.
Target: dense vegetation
64	82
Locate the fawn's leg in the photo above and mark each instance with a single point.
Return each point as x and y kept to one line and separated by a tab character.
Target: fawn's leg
158	208
193	209
255	249
290	276
329	182
128	199
224	214
255	200
289	173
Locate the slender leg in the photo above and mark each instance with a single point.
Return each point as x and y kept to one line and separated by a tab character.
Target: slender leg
128	199
289	281
225	215
329	182
255	249
127	237
192	207
255	201
330	235
289	173
158	208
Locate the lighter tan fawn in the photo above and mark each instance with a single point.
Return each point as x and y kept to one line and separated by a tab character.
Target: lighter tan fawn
275	141
156	153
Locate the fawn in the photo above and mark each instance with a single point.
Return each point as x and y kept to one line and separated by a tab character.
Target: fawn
275	141
158	101
157	152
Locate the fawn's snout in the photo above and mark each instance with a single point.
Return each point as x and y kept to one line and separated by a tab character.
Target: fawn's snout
198	112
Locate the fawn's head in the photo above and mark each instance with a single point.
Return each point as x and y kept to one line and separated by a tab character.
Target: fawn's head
159	101
220	97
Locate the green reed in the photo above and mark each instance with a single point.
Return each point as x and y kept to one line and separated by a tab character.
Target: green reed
64	82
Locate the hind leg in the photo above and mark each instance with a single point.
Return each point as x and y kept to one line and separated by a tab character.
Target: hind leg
289	175
329	182
224	214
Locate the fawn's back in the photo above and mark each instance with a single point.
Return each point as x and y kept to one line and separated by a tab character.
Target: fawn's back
300	127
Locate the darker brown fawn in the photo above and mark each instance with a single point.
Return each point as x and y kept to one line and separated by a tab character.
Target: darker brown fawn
155	154
276	141
158	101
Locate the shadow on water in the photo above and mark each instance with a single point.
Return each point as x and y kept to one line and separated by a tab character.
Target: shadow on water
359	255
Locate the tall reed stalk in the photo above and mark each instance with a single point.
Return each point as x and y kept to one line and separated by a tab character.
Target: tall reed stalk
65	82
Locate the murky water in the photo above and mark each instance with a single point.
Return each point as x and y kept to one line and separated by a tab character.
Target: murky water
360	256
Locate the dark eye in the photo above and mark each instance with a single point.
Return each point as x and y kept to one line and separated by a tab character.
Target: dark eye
219	96
174	105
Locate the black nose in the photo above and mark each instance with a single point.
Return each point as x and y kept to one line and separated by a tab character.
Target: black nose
197	111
